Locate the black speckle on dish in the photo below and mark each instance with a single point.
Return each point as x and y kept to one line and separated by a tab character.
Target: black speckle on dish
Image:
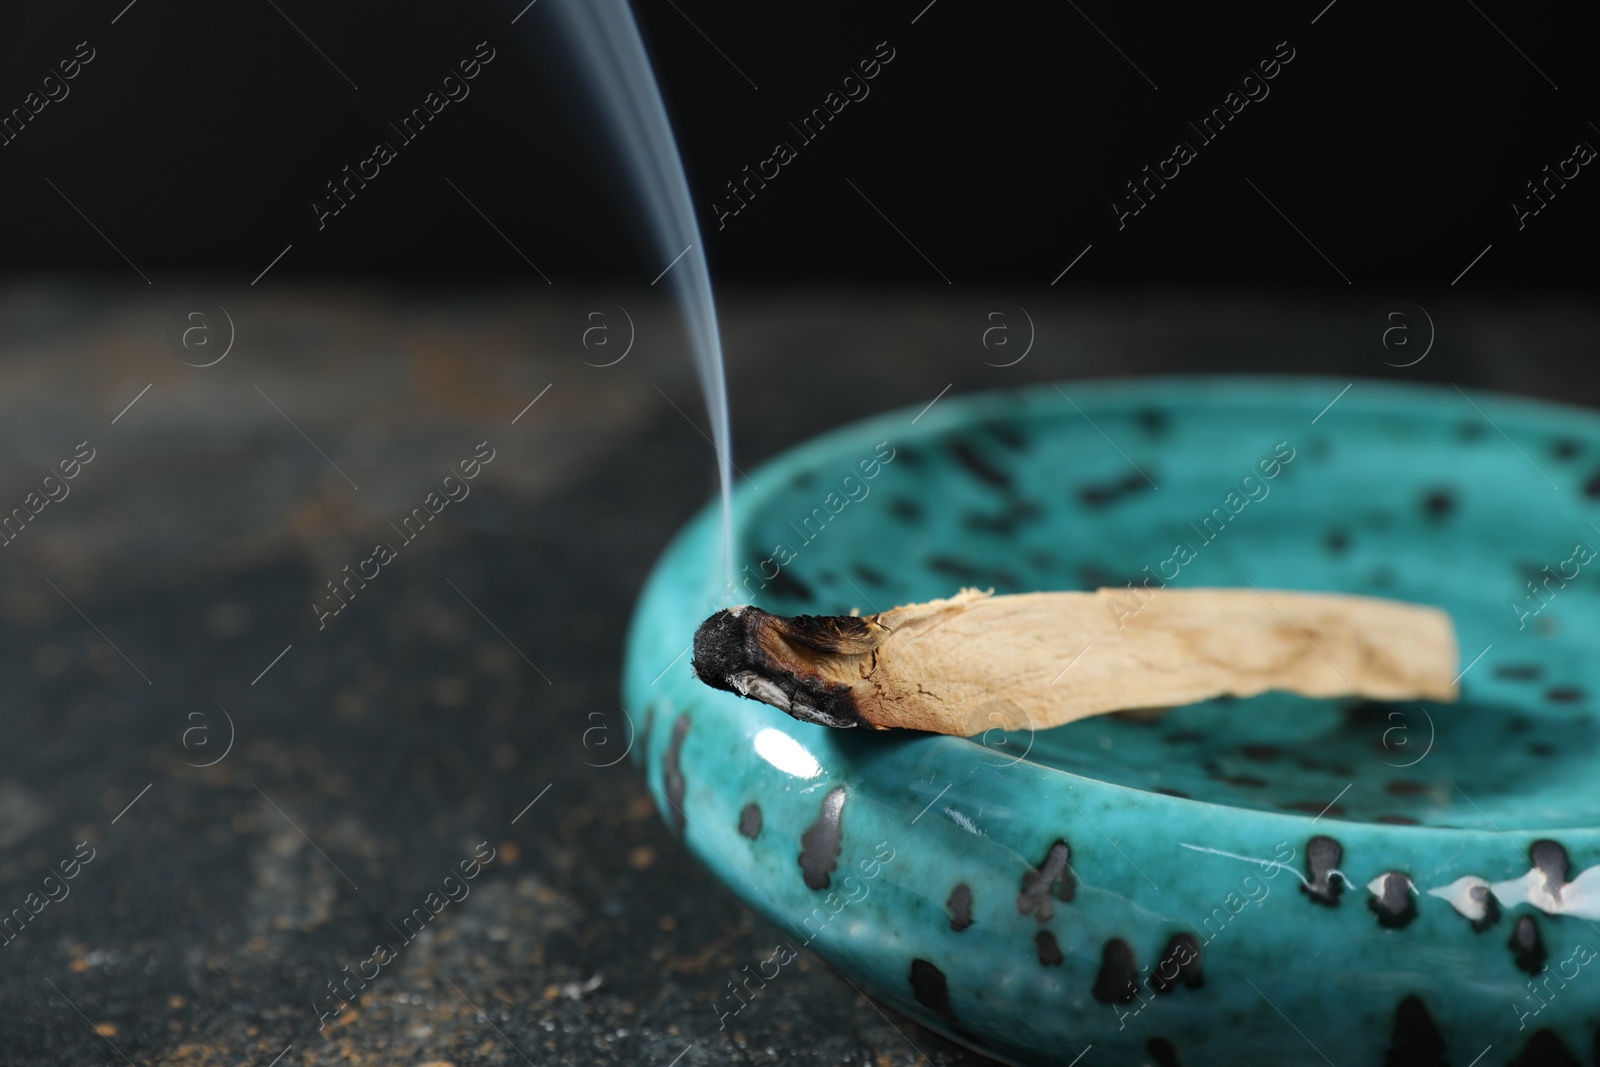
1481	896
1049	952
1322	857
750	821
787	585
1248	781
1338	542
1394	904
909	455
1264	753
1180	794
1564	694
954	568
1529	573
1316	807
1471	430
1004	581
1104	493
1416	1041
1527	946
1117	981
1093	576
1592	486
1362	715
1008	434
1153	421
1405	788
805	479
1184	737
905	509
1179	965
1004	523
870	576
1162	1052
959	907
672	772
1565	448
1519	672
1439	504
979	467
1545	1049
644	735
1398	820
1542	749
932	991
1551	860
1053	878
819	846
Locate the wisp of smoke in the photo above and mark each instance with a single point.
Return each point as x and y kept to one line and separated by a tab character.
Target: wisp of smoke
618	70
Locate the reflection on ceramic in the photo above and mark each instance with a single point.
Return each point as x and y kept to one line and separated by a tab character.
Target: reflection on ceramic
1250	881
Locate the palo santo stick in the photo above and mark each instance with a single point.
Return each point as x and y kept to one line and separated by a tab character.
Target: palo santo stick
976	662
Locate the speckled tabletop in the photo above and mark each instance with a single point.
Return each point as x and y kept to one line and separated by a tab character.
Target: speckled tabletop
270	779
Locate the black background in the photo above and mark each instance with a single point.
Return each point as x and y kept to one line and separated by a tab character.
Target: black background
871	275
995	141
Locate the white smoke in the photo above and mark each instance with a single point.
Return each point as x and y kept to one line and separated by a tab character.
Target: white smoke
618	70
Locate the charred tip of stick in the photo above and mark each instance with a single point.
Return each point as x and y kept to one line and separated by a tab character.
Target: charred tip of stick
720	648
744	650
844	635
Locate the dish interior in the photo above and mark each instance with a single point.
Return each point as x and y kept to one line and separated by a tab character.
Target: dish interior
1400	494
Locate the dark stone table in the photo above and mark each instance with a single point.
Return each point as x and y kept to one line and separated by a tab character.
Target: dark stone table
158	617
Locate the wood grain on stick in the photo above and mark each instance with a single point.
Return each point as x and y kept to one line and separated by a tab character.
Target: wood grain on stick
976	662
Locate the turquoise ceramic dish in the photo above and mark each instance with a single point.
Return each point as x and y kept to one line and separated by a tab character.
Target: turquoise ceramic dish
1258	881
